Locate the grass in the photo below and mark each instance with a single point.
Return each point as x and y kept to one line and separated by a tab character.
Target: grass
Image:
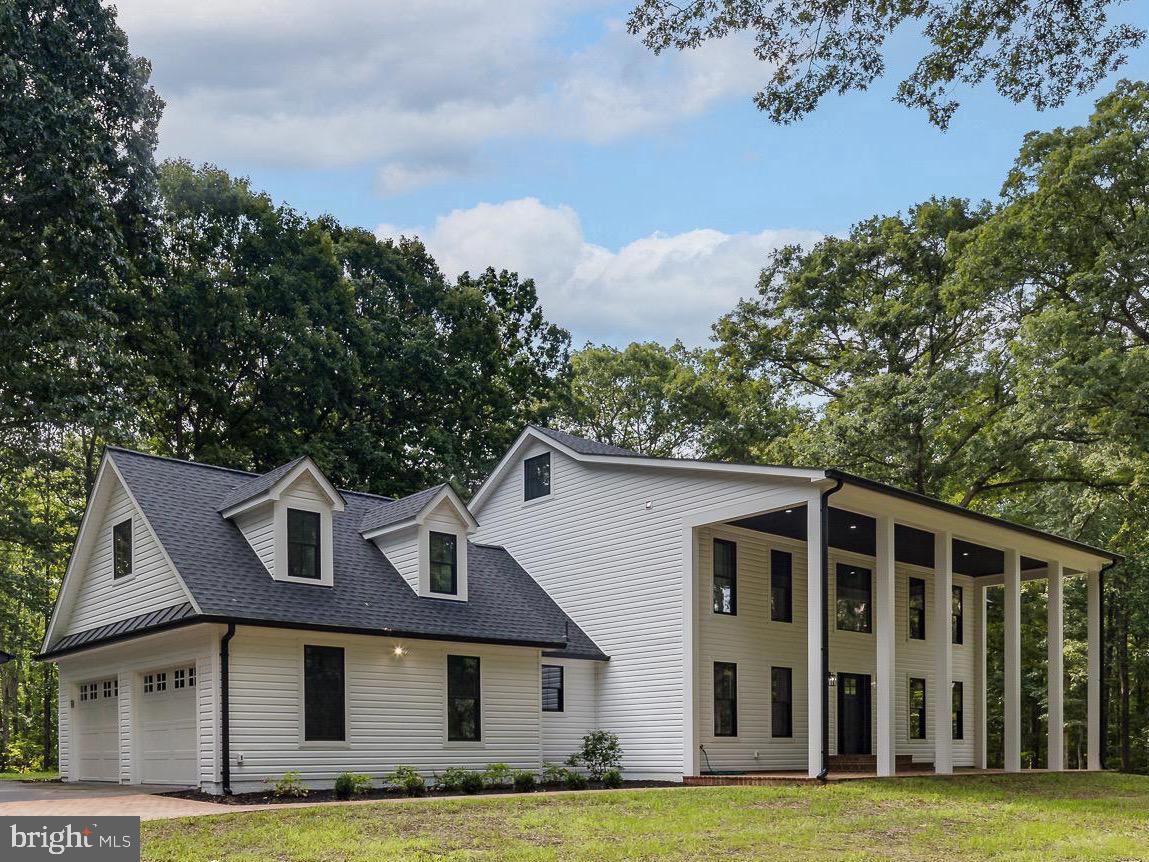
1027	818
29	776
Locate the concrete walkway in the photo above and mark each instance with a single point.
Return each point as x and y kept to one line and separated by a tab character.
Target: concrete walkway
51	799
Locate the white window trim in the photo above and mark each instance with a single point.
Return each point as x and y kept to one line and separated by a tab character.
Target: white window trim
523	478
460	534
326	535
130	576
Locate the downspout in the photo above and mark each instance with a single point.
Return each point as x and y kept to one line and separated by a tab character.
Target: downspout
825	531
225	707
1104	717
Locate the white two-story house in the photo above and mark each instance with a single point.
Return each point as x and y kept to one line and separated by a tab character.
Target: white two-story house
217	628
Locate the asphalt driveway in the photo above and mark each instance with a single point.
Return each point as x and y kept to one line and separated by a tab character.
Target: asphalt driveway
53	798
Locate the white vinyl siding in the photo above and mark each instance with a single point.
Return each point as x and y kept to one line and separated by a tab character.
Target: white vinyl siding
563	731
617	567
258	527
402	550
396	708
99	598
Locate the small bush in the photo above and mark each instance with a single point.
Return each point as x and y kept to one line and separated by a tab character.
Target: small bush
525	782
554	773
497	775
574	780
291	784
612	778
600	753
472	783
348	784
407	779
452	778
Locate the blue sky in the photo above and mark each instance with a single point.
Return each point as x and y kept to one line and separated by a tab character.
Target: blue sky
643	194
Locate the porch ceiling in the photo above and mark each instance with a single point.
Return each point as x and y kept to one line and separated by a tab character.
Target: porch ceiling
851	531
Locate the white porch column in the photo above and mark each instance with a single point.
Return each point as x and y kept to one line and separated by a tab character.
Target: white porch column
1056	668
884	631
943	653
1093	718
815	622
980	728
1011	725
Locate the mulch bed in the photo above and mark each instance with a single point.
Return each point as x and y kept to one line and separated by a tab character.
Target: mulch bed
263	797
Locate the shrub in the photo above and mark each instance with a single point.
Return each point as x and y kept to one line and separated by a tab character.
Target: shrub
453	777
291	784
497	775
554	773
574	780
407	779
348	784
525	782
612	778
599	754
472	783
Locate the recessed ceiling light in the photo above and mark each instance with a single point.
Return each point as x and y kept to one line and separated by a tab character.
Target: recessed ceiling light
789	511
853	526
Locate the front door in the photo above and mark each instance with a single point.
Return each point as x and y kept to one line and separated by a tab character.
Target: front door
854	713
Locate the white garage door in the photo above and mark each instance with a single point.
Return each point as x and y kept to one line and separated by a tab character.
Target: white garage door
167	726
96	731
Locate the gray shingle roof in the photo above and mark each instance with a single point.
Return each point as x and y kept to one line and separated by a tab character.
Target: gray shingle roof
181	500
244	491
391	512
587	447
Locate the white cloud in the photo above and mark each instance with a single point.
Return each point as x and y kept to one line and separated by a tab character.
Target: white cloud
413	89
660	287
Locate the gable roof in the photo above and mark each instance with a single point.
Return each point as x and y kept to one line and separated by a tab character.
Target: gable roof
393	514
270	484
229	583
587	447
244	491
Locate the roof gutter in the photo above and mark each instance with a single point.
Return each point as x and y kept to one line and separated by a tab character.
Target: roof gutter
225	707
825	541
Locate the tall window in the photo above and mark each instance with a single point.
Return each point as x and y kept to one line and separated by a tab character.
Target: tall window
781	710
854	599
781	587
552	688
725	699
464	707
725	577
303	544
958	711
324	713
917	606
444	563
917	708
958	617
537	476
122	549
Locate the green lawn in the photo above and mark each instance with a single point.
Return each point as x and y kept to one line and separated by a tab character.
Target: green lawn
28	776
1032	817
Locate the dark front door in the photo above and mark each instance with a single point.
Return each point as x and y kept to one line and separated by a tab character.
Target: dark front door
853	713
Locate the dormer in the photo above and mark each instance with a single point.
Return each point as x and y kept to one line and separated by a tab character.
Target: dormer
286	517
424	536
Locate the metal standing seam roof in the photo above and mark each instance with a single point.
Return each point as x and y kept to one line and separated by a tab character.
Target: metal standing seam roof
181	501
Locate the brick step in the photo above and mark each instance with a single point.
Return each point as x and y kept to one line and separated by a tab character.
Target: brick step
869	763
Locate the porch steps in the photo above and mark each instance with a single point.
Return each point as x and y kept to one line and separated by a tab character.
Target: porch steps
869	763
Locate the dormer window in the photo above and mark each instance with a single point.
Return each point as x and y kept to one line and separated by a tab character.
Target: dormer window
537	476
122	549
303	557
444	563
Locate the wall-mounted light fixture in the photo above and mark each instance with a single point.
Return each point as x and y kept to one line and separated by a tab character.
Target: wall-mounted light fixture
400	651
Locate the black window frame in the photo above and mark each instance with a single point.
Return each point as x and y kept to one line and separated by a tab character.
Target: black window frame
559	698
455	666
121	554
718	596
957	709
293	544
957	615
535	485
782	708
866	619
916	608
324	693
916	682
725	704
435	566
781	586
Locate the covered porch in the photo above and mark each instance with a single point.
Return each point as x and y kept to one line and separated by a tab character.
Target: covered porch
841	631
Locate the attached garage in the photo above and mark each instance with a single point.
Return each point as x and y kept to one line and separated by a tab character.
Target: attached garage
166	725
96	718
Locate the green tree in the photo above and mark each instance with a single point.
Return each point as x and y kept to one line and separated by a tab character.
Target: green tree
1038	52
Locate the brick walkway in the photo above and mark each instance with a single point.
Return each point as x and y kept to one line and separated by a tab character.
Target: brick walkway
98	800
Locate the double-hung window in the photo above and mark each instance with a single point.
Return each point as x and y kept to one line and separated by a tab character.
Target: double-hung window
444	563
725	577
781	586
303	560
552	688
464	705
